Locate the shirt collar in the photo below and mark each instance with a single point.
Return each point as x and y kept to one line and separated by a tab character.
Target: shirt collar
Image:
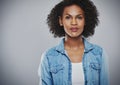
88	45
60	47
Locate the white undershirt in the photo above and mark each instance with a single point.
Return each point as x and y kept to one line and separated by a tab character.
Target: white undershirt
77	74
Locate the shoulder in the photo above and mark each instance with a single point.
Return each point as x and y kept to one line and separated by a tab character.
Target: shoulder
55	50
97	52
96	49
50	52
93	48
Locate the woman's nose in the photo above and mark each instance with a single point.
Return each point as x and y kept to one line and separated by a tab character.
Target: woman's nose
73	22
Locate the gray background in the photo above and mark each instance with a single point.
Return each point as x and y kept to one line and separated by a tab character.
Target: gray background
24	35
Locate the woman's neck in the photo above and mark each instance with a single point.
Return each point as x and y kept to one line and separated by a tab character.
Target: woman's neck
73	43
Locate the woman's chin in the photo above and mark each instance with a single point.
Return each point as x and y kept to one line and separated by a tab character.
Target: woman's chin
74	36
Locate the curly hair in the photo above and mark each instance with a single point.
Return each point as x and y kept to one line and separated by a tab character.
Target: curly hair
90	12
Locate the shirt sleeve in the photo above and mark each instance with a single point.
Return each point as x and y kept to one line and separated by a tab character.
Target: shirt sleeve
43	71
104	73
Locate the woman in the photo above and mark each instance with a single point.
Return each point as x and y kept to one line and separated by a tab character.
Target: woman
74	61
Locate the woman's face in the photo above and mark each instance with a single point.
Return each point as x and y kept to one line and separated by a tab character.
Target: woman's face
73	20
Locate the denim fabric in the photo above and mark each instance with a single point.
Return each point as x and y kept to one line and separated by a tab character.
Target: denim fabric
56	69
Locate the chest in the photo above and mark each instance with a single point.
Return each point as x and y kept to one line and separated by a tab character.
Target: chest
75	55
61	70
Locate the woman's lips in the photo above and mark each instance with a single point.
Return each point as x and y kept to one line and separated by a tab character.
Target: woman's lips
74	29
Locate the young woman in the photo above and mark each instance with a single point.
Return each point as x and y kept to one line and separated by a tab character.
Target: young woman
74	61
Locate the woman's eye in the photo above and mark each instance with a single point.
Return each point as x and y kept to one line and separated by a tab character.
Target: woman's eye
79	17
67	17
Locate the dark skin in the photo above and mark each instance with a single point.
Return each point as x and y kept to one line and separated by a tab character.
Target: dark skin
75	49
73	22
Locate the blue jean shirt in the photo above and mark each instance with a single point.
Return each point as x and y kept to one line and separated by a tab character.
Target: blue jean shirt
56	69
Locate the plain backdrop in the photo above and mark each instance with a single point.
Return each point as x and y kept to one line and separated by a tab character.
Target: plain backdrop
24	36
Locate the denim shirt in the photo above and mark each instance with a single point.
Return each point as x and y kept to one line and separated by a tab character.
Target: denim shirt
56	69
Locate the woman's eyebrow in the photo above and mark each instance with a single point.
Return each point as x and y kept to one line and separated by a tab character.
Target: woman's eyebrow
76	15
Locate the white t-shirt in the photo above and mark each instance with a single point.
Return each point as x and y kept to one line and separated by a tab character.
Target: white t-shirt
77	74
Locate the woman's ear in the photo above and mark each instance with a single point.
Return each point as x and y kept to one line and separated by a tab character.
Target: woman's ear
60	21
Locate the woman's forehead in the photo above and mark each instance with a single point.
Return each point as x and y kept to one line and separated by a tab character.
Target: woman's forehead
73	10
